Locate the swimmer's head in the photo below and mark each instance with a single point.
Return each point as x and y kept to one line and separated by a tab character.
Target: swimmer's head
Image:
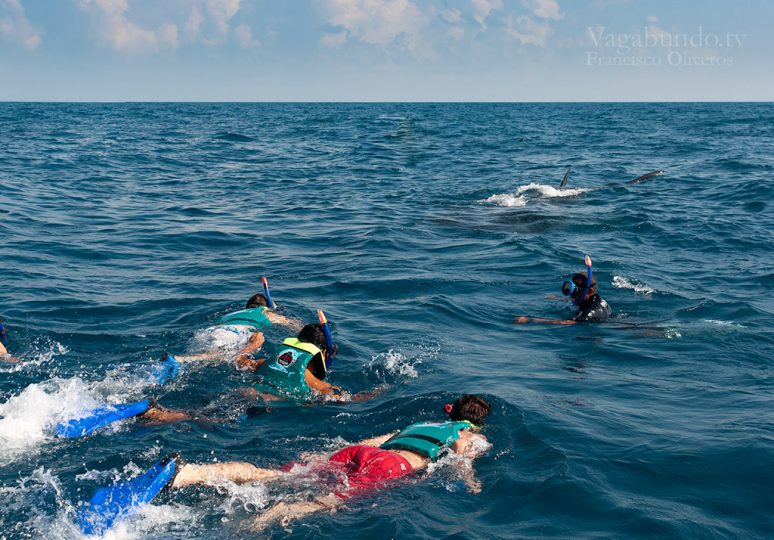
314	334
257	300
574	288
3	331
469	408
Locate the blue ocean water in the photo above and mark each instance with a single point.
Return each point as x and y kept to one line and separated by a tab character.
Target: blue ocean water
422	230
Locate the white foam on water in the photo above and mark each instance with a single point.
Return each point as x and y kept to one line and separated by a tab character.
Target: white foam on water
396	364
250	498
672	333
150	519
226	339
527	192
452	468
44	350
727	324
621	282
40	509
27	419
550	192
506	199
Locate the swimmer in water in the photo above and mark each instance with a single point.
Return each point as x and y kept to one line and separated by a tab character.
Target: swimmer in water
234	329
582	291
296	372
5	356
298	369
367	466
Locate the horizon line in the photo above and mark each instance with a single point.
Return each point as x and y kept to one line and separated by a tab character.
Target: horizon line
365	102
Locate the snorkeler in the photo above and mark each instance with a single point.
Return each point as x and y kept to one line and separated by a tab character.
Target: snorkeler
582	291
233	329
5	356
296	372
361	468
298	369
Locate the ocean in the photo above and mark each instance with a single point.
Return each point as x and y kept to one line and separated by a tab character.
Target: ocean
422	230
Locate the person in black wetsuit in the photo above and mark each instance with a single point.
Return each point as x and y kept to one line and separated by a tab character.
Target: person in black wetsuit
582	291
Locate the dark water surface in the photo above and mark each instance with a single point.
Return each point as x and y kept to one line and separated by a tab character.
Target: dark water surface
422	230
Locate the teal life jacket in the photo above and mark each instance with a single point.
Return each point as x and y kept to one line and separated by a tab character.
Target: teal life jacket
285	373
427	438
254	317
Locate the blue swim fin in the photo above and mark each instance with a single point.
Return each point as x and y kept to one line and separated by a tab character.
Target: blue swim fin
167	370
100	417
117	502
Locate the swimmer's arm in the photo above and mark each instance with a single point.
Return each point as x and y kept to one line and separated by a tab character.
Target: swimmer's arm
468	475
6	357
367	395
335	392
243	359
320	386
276	318
465	447
522	320
246	363
285	513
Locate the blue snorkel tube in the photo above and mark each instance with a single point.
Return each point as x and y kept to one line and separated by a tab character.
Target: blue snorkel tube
589	273
568	287
266	293
3	333
328	338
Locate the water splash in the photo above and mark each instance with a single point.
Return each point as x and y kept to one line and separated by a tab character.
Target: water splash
532	191
27	418
227	340
621	282
396	364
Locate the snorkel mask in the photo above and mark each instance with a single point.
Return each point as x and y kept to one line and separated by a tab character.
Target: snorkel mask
572	292
267	294
327	358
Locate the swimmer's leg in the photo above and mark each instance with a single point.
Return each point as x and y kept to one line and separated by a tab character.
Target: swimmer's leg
209	355
251	393
238	472
287	512
157	415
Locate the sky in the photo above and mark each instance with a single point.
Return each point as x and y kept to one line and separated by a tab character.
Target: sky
386	50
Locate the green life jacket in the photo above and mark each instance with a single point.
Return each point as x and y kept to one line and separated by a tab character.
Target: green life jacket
286	371
427	438
254	317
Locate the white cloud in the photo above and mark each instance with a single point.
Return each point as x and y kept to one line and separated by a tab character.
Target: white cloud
483	8
15	27
545	9
457	32
221	12
244	37
451	16
122	34
534	29
334	39
194	22
527	30
377	22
